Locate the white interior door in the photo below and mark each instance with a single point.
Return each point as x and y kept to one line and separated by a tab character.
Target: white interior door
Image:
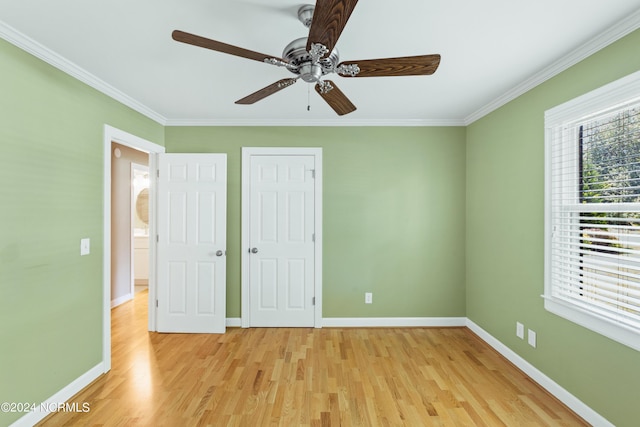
281	239
192	204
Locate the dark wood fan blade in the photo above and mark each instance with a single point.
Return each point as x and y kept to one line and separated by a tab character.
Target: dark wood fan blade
269	90
194	40
336	99
404	66
329	19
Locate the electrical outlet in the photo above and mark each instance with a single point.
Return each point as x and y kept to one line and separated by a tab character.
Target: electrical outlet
368	298
520	330
531	338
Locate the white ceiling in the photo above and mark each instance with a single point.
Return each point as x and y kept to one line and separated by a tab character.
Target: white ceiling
490	49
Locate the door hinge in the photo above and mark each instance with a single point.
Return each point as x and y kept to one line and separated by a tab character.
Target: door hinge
313	301
156	303
157	238
313	237
313	173
158	173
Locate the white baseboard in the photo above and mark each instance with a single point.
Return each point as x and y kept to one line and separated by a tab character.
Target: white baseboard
61	397
576	405
234	322
121	300
392	322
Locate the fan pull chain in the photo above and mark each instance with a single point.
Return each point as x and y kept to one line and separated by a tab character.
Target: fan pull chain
308	97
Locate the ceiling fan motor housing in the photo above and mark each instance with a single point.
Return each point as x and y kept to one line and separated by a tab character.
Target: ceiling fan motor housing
295	53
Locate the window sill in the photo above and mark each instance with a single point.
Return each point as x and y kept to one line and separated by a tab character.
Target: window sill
601	325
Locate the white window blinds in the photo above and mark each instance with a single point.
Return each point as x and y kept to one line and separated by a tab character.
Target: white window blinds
593	216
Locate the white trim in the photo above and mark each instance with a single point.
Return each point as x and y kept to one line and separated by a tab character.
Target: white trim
624	90
112	134
575	404
592	321
234	322
247	152
62	396
317	122
42	52
613	34
393	322
153	231
244	241
130	140
121	300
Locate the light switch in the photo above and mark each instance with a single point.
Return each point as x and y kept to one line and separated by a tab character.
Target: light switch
85	246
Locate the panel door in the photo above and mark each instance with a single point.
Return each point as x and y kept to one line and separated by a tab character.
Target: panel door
192	204
282	240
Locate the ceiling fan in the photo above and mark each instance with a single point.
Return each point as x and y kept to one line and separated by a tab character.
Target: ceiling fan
312	58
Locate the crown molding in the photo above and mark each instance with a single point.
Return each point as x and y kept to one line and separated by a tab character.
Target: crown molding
319	122
36	49
613	34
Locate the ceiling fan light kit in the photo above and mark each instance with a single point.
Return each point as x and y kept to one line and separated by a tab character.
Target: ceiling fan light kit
312	58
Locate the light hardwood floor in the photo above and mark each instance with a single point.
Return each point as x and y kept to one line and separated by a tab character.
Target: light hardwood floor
308	377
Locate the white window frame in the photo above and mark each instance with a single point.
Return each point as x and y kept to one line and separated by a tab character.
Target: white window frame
608	97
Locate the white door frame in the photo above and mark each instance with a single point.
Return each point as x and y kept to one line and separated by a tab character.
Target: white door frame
112	134
247	152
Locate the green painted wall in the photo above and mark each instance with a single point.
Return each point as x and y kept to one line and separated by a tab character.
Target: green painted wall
505	242
393	207
51	170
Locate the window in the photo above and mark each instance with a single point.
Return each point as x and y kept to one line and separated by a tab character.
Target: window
592	210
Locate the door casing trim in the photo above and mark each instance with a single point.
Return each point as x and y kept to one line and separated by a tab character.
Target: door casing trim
247	152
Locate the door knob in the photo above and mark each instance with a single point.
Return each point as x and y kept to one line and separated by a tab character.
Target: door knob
254	250
219	253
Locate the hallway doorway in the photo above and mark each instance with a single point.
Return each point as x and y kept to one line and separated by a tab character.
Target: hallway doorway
129	222
121	140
